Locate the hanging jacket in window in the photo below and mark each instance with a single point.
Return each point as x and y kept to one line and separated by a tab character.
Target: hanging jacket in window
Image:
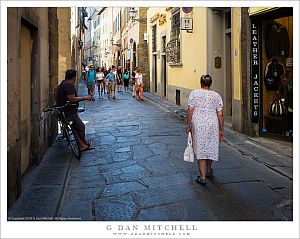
273	72
277	41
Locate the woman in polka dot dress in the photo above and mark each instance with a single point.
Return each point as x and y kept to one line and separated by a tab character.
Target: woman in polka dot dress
205	122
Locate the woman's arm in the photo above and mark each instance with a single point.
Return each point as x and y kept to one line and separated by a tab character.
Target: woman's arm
190	111
221	125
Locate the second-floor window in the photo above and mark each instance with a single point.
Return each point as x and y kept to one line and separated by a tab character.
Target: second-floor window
174	43
154	31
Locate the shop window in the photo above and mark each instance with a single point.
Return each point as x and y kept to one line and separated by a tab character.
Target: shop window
277	64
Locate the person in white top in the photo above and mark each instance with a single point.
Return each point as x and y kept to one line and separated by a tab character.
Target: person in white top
99	78
139	84
133	82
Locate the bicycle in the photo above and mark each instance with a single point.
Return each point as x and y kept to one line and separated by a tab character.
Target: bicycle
66	129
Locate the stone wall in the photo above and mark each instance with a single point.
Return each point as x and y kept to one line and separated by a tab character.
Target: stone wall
64	41
42	23
13	111
142	49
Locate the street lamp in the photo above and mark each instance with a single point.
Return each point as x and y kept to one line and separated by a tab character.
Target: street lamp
114	44
133	15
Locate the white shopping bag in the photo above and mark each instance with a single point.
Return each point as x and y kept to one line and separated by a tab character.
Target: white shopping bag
189	151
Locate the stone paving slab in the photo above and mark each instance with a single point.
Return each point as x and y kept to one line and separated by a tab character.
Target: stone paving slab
256	196
122	188
174	179
163	195
121	208
37	201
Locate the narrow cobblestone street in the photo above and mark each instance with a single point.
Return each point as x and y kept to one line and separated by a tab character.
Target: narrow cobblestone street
137	172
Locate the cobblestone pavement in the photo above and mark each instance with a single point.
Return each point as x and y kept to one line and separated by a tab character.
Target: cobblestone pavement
137	172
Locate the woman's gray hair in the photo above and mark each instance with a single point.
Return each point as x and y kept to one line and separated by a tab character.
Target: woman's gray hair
206	80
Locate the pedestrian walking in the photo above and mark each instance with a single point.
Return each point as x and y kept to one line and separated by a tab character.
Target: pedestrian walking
91	81
99	78
126	79
110	81
139	84
115	81
133	82
205	122
119	78
106	72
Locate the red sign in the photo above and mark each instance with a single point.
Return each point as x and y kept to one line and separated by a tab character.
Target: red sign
187	9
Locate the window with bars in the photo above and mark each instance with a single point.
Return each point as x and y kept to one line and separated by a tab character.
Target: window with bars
174	44
163	44
154	31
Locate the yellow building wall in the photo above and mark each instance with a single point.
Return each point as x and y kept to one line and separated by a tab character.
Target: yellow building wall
161	29
236	32
193	50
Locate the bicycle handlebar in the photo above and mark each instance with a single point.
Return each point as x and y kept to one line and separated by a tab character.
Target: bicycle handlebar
56	108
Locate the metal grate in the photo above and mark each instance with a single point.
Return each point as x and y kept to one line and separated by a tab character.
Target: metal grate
154	30
174	44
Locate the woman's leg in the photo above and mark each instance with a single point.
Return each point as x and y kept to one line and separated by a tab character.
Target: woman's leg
202	168
108	90
133	90
137	93
208	165
141	91
98	85
102	88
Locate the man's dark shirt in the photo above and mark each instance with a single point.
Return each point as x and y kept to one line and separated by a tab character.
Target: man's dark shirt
64	89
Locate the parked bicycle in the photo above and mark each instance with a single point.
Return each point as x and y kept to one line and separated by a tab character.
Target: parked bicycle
66	129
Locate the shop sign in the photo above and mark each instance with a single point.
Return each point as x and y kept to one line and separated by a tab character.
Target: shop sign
260	10
186	23
154	18
218	64
255	73
162	19
187	9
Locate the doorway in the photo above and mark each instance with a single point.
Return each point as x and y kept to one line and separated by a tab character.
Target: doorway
26	49
155	72
164	67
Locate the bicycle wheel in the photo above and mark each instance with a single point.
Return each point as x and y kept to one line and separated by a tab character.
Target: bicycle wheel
73	141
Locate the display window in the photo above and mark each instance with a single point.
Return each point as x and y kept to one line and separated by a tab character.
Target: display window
277	76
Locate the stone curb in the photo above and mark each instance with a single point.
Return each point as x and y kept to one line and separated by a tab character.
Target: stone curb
31	184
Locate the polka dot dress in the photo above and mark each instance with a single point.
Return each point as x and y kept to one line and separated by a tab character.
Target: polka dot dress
205	125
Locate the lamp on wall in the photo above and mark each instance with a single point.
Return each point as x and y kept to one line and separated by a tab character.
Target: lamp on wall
114	44
133	15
